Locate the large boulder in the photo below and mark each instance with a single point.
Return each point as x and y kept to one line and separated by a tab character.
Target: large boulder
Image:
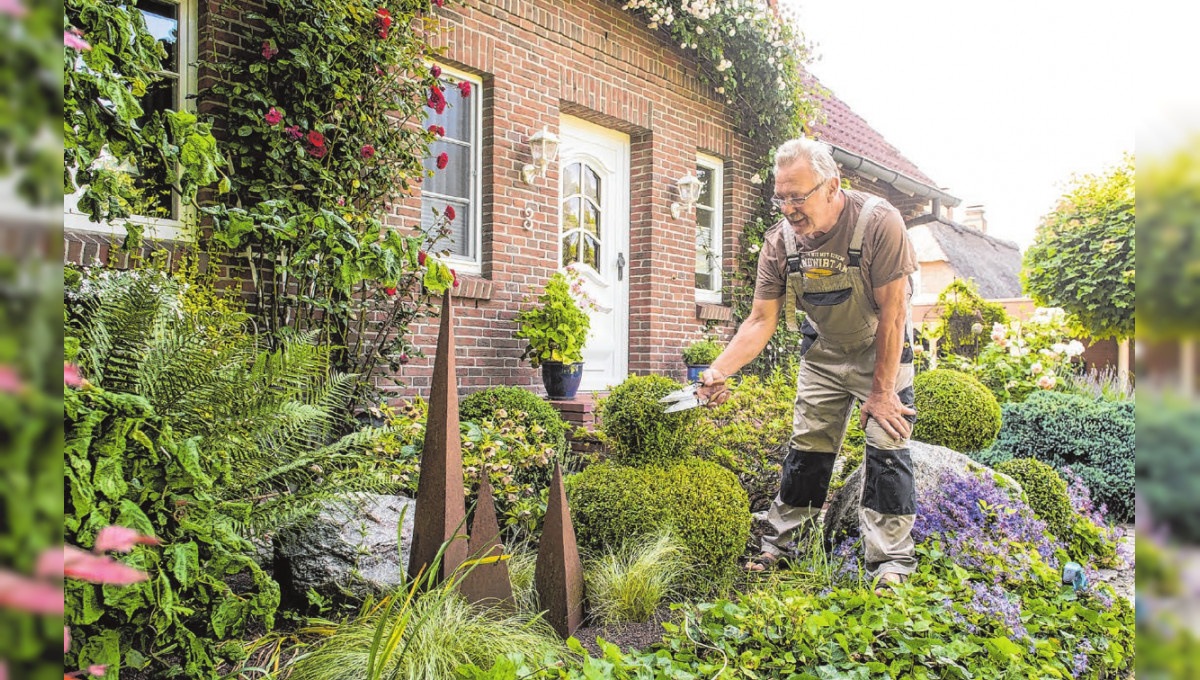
930	462
350	545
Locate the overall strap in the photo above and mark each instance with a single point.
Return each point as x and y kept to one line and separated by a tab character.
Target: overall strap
860	228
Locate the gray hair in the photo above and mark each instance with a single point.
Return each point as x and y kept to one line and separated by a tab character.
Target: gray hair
818	154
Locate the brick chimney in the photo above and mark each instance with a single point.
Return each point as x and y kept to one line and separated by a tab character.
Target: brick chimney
975	219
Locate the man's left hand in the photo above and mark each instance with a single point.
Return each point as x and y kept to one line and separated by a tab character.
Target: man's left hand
886	409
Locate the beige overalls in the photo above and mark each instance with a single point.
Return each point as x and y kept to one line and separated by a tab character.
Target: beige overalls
837	367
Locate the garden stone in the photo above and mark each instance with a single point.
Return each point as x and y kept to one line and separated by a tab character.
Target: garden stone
930	462
349	545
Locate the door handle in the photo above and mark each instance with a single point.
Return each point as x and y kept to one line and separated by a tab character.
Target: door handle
620	266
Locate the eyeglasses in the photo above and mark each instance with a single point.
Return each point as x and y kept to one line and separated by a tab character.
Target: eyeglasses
782	203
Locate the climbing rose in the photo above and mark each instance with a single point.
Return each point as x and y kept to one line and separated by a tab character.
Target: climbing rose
403	358
438	130
436	71
383	20
455	275
438	2
318	151
268	50
390	290
437	100
442	161
273	117
421	258
316	138
464	88
367	151
293	131
450	214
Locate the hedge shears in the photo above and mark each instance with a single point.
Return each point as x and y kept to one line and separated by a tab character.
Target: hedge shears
684	399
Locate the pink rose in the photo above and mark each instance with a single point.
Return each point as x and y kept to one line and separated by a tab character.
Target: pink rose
464	88
268	50
273	117
436	71
367	151
74	39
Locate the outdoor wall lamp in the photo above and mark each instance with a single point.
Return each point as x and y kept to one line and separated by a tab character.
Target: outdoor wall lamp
689	192
543	146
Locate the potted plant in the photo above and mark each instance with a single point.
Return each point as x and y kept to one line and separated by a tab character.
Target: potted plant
699	356
556	329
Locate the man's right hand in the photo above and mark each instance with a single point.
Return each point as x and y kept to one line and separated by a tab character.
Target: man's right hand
712	388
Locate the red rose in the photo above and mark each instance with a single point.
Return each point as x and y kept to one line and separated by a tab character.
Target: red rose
442	161
438	2
367	151
437	100
436	71
455	275
383	21
464	88
438	130
450	214
316	138
403	358
318	151
268	50
421	258
390	290
273	117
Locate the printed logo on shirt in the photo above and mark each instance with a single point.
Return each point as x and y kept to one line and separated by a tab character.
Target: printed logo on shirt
820	265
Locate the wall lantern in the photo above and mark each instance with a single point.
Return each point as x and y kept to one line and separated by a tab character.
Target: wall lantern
689	192
543	146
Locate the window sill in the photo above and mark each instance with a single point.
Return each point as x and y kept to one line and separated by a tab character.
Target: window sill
707	311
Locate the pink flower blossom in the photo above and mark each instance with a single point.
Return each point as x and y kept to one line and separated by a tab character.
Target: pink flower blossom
121	539
71	376
273	116
268	50
435	71
464	88
367	151
29	595
86	566
97	670
1036	368
74	39
318	151
421	257
293	131
9	380
341	200
1046	382
12	8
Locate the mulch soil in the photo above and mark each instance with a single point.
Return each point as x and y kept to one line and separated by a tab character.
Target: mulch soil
627	636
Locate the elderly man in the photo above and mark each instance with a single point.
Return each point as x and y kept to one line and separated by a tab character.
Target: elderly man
844	258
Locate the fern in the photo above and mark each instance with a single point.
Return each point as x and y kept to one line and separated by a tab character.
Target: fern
265	422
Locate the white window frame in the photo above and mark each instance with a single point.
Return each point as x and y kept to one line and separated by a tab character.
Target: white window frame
470	265
157	227
717	191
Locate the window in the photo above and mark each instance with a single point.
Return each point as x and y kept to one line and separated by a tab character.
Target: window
458	184
709	217
582	220
173	24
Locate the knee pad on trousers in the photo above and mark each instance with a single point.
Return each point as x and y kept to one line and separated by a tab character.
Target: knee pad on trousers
805	480
888	486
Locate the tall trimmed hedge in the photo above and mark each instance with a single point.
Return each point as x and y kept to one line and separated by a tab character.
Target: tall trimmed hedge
1094	438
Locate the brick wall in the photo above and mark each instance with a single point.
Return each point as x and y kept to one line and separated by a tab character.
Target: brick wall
540	60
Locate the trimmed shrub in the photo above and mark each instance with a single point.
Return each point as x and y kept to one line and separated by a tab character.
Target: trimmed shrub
1094	438
637	429
701	501
749	433
523	406
1045	492
1168	465
954	410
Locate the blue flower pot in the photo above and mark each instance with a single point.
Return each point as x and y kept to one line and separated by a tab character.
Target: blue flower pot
694	371
561	380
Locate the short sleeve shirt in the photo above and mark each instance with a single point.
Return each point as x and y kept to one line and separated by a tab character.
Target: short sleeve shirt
887	252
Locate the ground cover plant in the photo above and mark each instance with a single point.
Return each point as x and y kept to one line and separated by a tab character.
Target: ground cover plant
987	600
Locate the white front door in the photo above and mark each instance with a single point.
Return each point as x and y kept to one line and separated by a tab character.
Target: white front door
594	236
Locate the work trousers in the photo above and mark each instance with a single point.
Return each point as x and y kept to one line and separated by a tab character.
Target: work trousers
831	378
